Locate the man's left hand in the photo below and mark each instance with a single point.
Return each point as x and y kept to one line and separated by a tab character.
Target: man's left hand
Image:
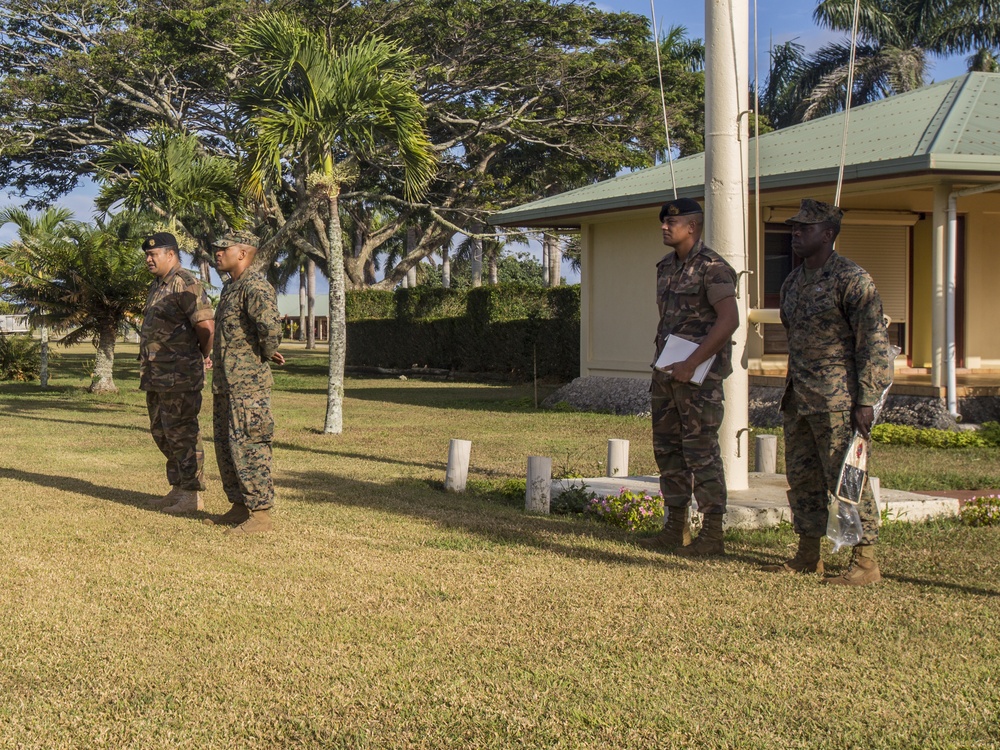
682	372
208	362
278	358
862	418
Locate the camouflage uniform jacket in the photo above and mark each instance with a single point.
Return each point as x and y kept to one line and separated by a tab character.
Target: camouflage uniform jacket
247	334
170	357
686	294
837	340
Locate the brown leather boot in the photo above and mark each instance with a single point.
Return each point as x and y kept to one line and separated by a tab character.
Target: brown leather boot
188	501
862	571
232	517
676	532
258	523
806	560
166	501
709	541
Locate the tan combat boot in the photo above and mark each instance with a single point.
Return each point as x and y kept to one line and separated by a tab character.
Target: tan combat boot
806	560
862	570
188	501
676	532
166	501
232	517
258	523
709	540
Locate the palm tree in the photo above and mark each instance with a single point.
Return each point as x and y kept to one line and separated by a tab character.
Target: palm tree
315	111
90	280
174	179
34	234
895	38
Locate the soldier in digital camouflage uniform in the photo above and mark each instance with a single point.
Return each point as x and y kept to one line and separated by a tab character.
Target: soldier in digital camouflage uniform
838	367
174	347
247	336
696	296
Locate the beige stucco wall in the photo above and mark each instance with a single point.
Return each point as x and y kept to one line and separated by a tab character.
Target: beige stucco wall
982	278
618	309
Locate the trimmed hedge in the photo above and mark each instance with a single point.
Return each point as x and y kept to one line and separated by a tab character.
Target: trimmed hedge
500	330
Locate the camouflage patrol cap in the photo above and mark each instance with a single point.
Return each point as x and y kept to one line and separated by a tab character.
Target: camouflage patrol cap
816	212
159	239
241	237
680	207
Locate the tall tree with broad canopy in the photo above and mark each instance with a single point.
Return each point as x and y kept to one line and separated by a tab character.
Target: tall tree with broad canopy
310	112
91	280
524	98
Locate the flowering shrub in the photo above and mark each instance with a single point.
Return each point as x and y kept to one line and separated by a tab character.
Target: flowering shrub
982	511
635	511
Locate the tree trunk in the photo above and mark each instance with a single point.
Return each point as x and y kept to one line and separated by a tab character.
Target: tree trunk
477	260
43	367
103	380
445	267
311	303
555	259
494	279
302	304
338	322
545	260
205	270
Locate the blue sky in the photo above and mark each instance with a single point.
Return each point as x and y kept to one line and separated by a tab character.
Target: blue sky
778	21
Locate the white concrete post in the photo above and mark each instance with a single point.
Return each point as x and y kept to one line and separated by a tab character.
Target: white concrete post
766	454
939	247
458	465
727	26
538	493
617	458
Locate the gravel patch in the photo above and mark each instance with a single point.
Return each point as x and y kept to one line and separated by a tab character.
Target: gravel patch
631	396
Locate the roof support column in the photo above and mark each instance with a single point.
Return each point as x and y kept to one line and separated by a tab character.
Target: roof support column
939	250
726	105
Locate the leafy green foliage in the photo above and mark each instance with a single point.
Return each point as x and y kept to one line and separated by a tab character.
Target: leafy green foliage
574	499
19	358
634	511
981	511
897	434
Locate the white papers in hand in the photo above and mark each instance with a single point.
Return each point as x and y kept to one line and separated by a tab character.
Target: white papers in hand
676	349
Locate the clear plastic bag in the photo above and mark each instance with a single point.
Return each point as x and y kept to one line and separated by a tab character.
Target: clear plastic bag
843	527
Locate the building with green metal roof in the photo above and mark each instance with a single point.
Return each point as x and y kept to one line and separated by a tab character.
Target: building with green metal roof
904	157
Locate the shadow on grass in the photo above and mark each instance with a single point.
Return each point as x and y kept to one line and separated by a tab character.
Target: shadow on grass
124	496
498	524
436	465
505	398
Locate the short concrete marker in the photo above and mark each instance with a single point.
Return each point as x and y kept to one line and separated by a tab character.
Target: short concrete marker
617	458
538	493
458	465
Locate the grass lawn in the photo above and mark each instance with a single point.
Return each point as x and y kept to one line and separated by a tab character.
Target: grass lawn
384	613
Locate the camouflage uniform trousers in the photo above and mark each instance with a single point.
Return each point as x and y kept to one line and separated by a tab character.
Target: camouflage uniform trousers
243	429
814	452
686	421
173	422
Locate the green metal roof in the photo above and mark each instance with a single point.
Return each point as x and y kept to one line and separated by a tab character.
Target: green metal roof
949	126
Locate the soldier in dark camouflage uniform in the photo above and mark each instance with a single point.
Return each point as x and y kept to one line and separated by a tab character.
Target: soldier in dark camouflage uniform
247	335
696	295
174	349
838	367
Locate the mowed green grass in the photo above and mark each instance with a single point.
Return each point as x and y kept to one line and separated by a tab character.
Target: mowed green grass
384	613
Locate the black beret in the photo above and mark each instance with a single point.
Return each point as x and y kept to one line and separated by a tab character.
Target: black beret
159	239
680	207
